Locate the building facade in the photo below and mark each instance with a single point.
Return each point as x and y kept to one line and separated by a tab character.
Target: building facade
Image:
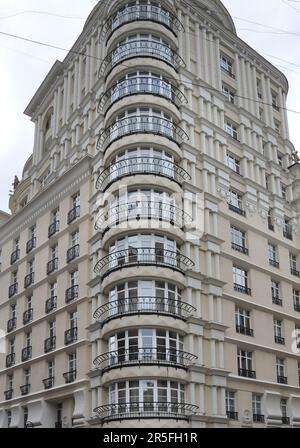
149	269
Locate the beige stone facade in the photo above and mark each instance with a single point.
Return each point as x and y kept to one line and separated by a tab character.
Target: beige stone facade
149	270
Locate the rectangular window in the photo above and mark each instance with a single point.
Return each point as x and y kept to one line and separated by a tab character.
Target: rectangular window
274	100
283	191
231	129
72	362
243	321
233	163
230	403
229	93
273	255
51	369
245	363
235	201
238	239
296	296
280	367
240	280
226	65
293	262
275	291
256	404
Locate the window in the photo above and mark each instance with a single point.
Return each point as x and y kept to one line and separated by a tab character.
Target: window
245	363
287	229
8	416
229	93
26	377
72	362
32	232
279	158
53	290
12	346
75	238
273	255
283	407
280	369
274	100
29	339
10	382
257	408
235	202
51	369
230	403
233	163
13	311
270	219
240	280
238	240
293	265
283	191
296	297
227	65
259	88
275	291
25	415
52	329
231	129
243	321
277	125
74	278
278	332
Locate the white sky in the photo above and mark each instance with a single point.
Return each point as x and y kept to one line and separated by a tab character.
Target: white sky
25	65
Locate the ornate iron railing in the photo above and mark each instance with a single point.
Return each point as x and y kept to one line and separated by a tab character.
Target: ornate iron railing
71	335
142	210
144	305
143	256
10	360
73	214
11	324
72	293
15	256
70	377
31	244
25	389
51	304
155	409
50	344
141	85
26	353
29	279
27	316
73	253
140	13
49	382
141	165
53	228
13	290
144	48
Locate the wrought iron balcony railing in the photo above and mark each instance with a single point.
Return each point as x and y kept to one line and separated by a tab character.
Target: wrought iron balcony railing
25	389
282	379
31	244
15	256
141	124
52	266
143	48
279	340
10	360
136	410
49	382
27	316
140	13
274	263
277	300
143	256
143	305
26	353
141	165
243	289
241	249
244	330
288	232
71	335
247	373
51	304
70	377
237	210
11	324
73	253
72	293
142	210
50	344
29	279
8	394
232	415
295	272
258	418
53	228
144	356
286	420
149	85
13	290
73	214
297	307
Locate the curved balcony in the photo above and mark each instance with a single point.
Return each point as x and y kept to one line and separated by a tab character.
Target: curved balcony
136	410
142	210
143	256
139	85
144	356
144	49
139	124
141	13
143	305
141	165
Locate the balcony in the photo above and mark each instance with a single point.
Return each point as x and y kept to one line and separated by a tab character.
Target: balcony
286	420
141	85
73	253
26	353
288	233
70	377
52	266
244	330
237	210
277	300
241	249
274	263
279	340
13	290
282	379
258	418
10	360
50	344
138	210
143	305
144	356
133	166
232	415
72	293
247	373
8	394
51	304
25	389
143	256
15	256
29	280
27	316
11	324
31	244
137	410
73	214
71	336
141	124
53	228
141	13
48	382
295	272
242	289
142	48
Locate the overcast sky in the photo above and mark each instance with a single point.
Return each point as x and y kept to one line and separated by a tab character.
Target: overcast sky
24	65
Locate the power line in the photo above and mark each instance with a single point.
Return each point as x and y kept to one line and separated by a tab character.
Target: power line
290	6
41	13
